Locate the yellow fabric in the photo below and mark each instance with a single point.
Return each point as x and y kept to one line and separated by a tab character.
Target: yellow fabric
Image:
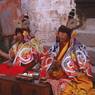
25	33
91	92
36	43
63	52
81	85
73	56
74	34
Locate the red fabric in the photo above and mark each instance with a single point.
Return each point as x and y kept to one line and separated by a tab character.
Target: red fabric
42	73
11	70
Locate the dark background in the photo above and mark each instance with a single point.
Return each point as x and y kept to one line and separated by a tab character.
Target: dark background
86	7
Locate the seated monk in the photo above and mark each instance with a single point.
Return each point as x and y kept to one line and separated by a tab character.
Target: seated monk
67	66
23	55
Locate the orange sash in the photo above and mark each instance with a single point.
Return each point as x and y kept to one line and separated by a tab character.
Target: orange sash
56	71
63	51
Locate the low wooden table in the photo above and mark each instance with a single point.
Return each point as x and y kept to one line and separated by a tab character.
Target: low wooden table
12	86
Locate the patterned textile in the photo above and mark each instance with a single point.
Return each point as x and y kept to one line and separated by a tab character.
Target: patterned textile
76	65
24	52
24	56
75	59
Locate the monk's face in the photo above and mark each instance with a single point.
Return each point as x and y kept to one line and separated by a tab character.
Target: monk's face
62	37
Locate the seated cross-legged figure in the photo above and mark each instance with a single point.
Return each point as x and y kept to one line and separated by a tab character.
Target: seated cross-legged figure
69	71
